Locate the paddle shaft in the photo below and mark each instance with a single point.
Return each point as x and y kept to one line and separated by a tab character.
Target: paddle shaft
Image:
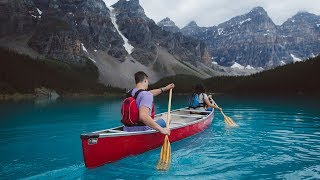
219	107
169	109
165	154
223	114
166	139
227	119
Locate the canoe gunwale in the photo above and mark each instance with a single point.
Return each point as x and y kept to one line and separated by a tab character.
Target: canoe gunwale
102	134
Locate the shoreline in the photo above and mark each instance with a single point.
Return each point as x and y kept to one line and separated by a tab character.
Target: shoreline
32	96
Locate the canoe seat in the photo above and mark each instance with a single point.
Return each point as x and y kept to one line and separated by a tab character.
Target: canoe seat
179	123
115	131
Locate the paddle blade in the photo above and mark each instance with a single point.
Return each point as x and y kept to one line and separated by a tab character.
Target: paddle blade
165	156
230	122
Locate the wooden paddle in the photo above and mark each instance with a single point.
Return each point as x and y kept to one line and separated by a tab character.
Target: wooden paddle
227	119
165	155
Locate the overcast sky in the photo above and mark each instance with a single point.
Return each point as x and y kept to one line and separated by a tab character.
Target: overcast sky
214	12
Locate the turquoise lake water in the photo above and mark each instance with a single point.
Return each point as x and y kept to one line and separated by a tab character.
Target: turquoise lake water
278	138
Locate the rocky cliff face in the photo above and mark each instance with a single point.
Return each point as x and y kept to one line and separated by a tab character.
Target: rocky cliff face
168	25
301	35
192	29
248	40
253	39
119	40
18	17
146	36
64	29
69	28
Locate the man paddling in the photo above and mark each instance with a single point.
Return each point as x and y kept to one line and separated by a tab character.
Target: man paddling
144	102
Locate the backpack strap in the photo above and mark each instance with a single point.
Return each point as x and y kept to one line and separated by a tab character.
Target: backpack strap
139	123
137	93
128	94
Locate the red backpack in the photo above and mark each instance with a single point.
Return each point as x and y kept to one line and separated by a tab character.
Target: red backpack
130	110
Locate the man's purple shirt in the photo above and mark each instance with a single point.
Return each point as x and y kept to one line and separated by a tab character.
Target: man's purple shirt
145	98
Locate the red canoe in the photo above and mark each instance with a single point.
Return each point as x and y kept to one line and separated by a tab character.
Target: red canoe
110	145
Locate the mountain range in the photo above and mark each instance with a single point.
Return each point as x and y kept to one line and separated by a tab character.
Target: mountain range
121	40
254	40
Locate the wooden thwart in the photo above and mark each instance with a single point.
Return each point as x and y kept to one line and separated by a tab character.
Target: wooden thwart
190	116
180	123
199	111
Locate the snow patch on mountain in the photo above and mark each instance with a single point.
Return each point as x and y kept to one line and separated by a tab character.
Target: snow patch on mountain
237	65
220	31
295	59
247	20
249	67
92	59
84	48
39	11
86	51
126	44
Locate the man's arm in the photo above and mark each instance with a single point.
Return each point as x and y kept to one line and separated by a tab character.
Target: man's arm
212	105
156	92
147	120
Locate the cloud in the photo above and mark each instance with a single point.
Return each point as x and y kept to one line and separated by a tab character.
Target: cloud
214	12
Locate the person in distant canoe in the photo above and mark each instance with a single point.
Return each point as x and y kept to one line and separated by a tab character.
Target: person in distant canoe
201	101
138	108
